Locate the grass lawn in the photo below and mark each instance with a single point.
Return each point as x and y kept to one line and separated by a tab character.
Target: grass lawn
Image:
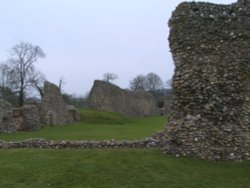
119	168
97	125
106	168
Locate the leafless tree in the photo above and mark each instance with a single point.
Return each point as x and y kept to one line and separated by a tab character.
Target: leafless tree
61	83
4	75
37	82
153	82
22	72
169	83
138	83
108	77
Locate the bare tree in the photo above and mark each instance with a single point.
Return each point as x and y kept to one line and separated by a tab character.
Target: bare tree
22	72
138	83
61	83
153	82
169	83
37	82
4	75
108	77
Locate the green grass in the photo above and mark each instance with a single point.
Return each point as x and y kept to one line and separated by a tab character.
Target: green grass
106	168
99	117
96	125
119	168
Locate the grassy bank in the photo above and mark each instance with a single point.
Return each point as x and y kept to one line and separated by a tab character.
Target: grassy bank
96	125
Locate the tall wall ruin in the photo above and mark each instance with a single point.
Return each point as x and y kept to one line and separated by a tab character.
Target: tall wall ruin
210	45
53	109
105	96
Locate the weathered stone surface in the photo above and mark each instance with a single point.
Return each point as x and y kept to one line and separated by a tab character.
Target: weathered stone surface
73	113
29	118
211	112
168	103
18	119
7	123
105	96
53	109
50	144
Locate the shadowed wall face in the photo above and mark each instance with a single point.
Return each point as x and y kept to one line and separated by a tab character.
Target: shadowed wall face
54	111
105	96
210	47
12	119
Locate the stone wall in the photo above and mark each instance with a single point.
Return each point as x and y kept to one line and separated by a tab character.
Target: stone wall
168	103
18	119
74	115
7	123
50	144
27	118
105	96
53	109
211	110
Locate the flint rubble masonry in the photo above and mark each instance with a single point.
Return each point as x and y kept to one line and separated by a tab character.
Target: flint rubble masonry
53	109
12	119
210	46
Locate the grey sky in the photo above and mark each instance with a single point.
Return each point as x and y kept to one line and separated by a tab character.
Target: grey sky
83	39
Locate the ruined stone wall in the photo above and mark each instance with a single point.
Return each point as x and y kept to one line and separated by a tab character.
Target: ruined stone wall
210	45
25	118
50	144
168	103
74	115
7	123
108	97
53	109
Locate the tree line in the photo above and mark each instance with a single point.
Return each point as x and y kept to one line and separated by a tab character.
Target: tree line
150	82
18	74
19	78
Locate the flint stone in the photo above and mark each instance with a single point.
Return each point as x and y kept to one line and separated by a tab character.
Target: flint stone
210	46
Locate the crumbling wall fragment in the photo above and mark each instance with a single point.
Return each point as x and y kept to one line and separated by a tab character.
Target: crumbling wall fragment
53	109
28	119
105	96
7	123
211	113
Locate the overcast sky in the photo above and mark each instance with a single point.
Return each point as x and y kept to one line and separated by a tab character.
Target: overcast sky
83	39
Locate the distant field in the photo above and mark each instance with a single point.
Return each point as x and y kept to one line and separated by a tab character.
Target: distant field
118	168
97	125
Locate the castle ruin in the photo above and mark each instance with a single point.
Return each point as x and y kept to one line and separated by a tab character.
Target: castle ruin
105	96
210	46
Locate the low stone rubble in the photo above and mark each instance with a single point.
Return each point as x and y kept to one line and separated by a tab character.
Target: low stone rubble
41	143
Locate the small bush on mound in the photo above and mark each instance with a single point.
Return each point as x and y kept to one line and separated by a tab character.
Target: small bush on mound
100	117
